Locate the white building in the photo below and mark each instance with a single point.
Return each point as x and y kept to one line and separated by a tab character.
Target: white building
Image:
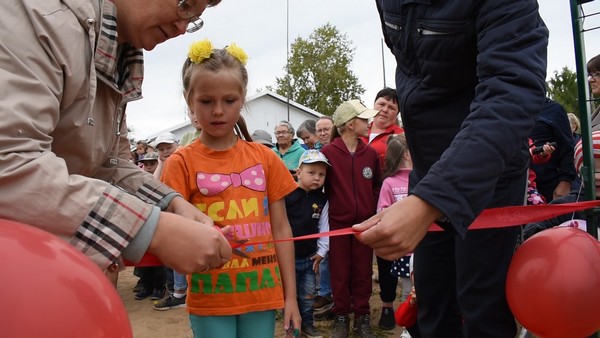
261	111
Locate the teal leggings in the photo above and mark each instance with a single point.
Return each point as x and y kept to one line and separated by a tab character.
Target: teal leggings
248	325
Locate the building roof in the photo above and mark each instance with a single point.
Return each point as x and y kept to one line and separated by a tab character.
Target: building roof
185	126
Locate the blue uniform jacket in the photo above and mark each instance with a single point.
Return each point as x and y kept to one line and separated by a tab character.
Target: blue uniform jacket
471	80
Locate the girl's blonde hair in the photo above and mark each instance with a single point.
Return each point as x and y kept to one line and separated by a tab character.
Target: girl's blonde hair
219	59
575	120
396	148
338	131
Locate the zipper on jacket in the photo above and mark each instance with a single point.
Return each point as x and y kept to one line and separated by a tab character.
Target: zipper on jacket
120	116
354	188
431	29
393	26
112	155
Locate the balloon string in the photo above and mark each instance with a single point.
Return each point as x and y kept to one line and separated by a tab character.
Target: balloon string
488	219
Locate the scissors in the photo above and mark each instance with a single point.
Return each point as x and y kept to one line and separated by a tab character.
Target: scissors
235	244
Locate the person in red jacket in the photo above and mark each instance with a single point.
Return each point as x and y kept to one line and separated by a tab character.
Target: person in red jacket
384	125
352	188
385	122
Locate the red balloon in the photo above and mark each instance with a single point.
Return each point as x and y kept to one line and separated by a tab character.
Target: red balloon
553	283
49	289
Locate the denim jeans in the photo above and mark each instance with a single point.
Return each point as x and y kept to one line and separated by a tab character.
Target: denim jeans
175	280
180	283
306	289
324	278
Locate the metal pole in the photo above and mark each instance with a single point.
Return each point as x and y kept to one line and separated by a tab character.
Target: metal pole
383	63
587	174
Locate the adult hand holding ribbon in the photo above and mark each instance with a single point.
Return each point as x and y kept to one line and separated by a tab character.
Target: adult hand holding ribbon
488	219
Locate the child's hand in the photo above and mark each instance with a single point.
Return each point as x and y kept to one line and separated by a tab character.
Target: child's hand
292	331
413	296
291	318
316	261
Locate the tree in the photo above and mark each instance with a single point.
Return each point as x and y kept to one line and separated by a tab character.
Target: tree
562	88
319	74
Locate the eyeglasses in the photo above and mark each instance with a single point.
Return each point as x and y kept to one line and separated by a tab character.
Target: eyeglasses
594	75
185	11
324	130
283	132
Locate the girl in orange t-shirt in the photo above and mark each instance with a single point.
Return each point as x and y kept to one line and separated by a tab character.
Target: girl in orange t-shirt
241	185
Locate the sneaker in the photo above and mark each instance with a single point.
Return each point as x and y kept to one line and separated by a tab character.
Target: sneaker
138	287
341	327
311	331
362	326
143	294
158	294
405	334
322	315
387	321
170	302
323	303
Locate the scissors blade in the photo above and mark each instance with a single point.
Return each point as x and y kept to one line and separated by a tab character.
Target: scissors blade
235	244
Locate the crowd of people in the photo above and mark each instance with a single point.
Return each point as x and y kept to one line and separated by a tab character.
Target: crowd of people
456	136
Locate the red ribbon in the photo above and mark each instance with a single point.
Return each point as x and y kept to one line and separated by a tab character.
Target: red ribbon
488	219
513	216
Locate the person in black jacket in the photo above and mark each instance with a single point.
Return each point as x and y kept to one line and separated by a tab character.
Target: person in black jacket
308	214
575	195
470	79
553	178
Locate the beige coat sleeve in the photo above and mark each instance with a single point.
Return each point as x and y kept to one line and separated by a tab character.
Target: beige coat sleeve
57	131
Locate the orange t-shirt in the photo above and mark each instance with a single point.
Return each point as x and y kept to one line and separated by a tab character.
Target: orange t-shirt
234	187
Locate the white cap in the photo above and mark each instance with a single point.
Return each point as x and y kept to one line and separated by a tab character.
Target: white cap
312	156
351	109
164	138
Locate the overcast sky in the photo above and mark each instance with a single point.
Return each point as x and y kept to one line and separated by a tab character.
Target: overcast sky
259	26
